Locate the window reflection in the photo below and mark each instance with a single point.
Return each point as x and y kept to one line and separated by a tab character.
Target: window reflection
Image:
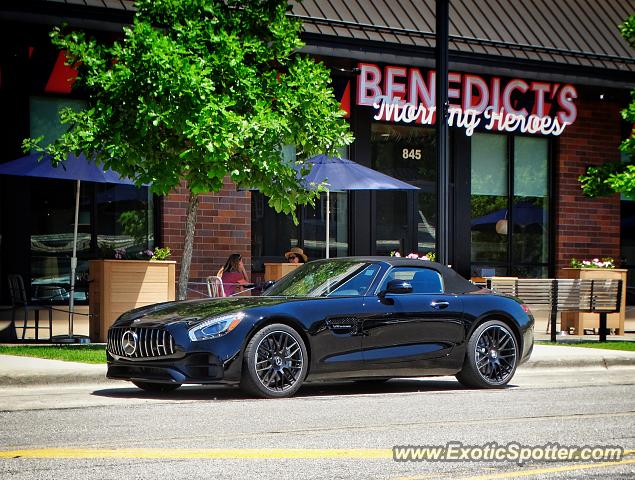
314	226
530	208
509	237
110	216
123	219
489	205
52	223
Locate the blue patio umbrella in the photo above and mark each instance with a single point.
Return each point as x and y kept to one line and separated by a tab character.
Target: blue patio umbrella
343	174
75	167
525	213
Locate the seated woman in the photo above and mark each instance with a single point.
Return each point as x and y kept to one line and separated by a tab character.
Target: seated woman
296	255
233	274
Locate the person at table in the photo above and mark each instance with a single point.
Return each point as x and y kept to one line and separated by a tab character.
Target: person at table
233	274
296	255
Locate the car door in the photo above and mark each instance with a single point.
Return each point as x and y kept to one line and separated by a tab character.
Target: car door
411	331
336	344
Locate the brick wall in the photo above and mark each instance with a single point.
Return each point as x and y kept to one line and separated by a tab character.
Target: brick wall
223	227
587	227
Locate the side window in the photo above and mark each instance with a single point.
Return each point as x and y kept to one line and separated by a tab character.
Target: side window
359	284
423	280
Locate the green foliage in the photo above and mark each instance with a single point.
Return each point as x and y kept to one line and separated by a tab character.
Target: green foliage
627	29
482	205
612	177
134	224
161	254
198	90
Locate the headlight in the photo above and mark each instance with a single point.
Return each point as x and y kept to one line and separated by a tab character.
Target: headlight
215	327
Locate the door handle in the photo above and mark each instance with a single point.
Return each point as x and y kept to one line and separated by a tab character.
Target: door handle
439	304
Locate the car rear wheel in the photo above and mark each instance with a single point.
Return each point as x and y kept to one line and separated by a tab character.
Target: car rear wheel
276	362
491	358
155	387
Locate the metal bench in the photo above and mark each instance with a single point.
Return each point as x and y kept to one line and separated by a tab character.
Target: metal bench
563	294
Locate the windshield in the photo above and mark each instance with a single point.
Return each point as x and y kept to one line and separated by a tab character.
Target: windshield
327	278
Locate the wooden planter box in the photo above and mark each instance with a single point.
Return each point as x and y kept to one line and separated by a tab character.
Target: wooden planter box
117	286
581	321
275	271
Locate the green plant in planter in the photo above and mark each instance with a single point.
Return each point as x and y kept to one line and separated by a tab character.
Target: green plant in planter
161	254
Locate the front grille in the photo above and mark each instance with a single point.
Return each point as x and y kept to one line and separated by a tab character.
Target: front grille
150	342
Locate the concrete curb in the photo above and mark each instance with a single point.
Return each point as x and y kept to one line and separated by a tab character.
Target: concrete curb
577	363
54	379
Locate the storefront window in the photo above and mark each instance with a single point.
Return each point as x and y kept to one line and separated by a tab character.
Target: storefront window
409	154
489	224
530	208
272	234
44	116
510	233
110	217
124	219
314	227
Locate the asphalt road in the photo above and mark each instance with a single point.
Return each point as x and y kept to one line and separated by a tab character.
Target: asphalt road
112	431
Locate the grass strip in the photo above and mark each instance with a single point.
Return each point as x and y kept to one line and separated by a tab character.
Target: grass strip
613	345
67	353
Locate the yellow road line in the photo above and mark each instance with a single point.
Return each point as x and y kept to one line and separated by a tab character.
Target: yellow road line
209	453
271	453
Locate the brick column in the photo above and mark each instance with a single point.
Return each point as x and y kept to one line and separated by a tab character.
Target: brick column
223	227
587	227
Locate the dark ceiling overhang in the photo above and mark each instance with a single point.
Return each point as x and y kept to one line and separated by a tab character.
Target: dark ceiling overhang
397	54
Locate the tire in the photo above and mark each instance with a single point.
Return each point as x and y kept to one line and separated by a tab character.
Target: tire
491	358
275	362
157	387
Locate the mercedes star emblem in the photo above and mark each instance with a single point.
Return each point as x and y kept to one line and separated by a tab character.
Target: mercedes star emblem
129	342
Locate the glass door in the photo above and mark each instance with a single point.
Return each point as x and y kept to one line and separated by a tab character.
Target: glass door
404	220
392	230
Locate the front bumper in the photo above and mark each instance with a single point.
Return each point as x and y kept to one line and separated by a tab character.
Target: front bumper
196	368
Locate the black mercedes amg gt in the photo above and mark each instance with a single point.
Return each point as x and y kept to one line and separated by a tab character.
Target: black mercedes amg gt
357	318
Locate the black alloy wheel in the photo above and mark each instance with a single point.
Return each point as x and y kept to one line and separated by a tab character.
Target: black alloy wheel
275	362
491	358
155	387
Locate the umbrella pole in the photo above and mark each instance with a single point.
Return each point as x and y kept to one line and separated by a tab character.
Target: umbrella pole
328	223
71	300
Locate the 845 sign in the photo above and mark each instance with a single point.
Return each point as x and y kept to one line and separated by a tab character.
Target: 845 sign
412	153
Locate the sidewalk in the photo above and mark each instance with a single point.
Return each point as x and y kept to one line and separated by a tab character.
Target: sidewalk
35	371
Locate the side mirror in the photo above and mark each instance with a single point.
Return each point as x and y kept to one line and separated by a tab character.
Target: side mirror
396	286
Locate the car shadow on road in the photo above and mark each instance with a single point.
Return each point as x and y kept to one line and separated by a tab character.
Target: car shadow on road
309	390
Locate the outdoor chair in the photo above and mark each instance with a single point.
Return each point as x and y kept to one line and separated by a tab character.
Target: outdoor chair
20	300
215	286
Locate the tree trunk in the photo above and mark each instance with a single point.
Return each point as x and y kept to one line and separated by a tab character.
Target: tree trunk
186	261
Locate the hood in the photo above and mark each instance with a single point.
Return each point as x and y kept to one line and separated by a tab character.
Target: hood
193	311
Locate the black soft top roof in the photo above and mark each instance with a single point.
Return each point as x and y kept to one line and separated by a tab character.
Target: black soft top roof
453	282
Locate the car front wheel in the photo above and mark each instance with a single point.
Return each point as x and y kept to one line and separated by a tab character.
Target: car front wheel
276	362
491	358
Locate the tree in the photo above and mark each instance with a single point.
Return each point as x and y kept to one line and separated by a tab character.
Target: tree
197	90
612	177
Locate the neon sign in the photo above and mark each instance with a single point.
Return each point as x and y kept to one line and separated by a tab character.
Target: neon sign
401	94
